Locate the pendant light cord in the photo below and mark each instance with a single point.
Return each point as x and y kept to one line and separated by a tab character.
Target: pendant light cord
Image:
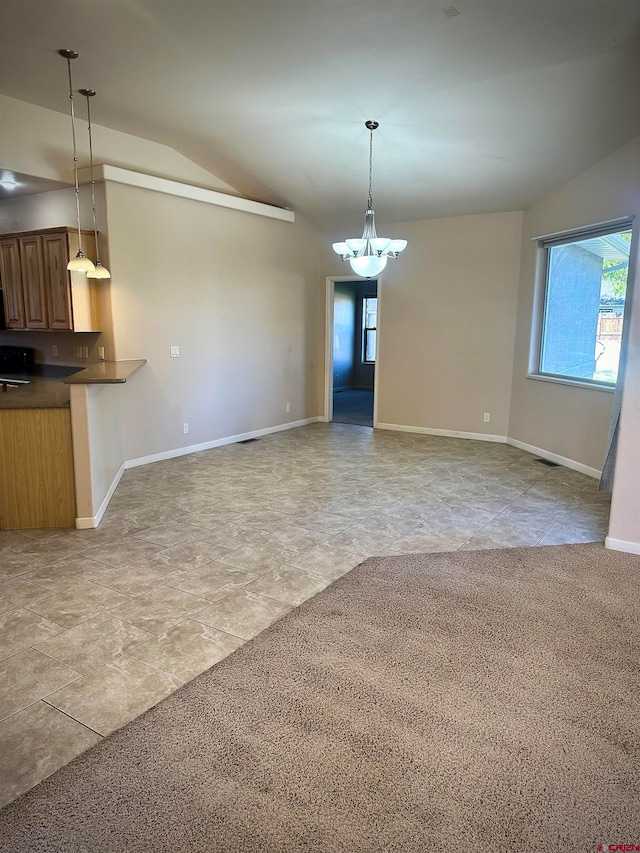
93	183
75	154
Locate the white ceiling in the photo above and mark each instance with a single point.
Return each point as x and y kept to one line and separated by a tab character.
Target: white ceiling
482	111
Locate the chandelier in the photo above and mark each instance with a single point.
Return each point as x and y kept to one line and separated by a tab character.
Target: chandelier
368	254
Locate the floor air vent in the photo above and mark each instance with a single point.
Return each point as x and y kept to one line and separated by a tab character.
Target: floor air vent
548	463
248	440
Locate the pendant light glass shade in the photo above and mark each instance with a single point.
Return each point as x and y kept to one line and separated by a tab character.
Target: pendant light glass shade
81	263
368	254
99	270
7	181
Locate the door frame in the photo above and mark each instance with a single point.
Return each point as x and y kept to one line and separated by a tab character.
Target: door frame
330	286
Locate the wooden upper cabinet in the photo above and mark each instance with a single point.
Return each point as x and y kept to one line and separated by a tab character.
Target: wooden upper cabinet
38	290
11	282
55	251
35	299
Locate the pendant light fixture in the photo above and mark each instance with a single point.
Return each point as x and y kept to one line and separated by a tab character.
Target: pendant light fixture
7	180
99	270
368	254
81	262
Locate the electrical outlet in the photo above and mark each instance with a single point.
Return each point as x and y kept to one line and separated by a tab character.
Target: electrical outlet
175	352
85	352
101	353
287	408
185	428
487	417
54	350
78	352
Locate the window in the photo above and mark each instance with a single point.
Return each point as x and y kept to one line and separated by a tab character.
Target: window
369	319
585	290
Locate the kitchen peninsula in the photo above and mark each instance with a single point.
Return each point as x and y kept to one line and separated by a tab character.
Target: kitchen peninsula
54	433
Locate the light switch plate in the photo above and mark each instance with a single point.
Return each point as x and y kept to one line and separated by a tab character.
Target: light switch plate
175	352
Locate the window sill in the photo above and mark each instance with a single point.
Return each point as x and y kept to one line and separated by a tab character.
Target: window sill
575	382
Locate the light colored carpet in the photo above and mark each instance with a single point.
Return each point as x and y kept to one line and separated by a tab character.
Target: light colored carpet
481	701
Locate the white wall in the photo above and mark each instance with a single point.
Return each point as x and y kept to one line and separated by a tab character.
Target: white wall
238	293
563	419
447	323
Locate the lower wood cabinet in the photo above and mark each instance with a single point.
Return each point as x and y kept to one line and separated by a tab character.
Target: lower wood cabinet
37	487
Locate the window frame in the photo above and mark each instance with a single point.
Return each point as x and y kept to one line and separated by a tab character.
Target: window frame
365	328
544	245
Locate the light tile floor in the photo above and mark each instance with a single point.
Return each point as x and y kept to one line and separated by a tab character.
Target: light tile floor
198	554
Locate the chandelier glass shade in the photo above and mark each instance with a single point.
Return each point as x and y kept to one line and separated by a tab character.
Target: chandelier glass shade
81	263
368	254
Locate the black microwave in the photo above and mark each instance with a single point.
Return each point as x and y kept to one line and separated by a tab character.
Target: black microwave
17	360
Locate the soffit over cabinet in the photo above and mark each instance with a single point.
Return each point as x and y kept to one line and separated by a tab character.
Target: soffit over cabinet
38	291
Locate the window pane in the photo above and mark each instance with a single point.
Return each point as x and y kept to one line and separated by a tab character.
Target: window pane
370	312
370	345
584	307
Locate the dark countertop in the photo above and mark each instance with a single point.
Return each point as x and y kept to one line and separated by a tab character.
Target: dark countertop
41	393
106	372
53	392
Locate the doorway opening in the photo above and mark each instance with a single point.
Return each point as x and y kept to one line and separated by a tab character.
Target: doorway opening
352	338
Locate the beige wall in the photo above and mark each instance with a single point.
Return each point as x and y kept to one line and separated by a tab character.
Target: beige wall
563	419
447	323
37	141
97	447
238	293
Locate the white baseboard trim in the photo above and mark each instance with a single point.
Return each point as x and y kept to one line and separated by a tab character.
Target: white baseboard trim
91	522
218	442
622	545
555	457
451	433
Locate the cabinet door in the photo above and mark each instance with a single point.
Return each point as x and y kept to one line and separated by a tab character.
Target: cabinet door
35	303
56	280
11	280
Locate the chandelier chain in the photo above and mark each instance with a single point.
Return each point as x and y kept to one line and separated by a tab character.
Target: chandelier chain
370	200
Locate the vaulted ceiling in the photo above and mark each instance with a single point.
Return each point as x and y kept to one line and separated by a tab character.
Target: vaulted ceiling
484	110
